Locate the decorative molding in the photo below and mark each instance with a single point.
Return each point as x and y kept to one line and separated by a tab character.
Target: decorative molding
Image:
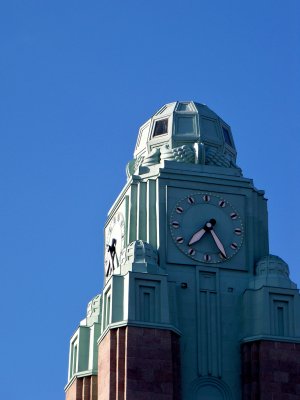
209	327
209	381
270	339
137	324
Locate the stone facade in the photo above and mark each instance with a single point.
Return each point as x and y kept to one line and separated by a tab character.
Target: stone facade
271	370
139	363
192	299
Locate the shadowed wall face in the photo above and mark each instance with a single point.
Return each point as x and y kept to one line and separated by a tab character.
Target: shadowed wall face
271	370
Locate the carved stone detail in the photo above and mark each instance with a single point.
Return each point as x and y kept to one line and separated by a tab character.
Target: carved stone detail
184	154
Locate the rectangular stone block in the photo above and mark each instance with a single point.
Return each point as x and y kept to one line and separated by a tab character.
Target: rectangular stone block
272	371
139	363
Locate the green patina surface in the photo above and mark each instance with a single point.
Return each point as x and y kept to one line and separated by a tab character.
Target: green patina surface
183	175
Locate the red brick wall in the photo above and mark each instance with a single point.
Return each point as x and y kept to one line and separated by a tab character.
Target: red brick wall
74	392
271	370
83	389
107	366
139	363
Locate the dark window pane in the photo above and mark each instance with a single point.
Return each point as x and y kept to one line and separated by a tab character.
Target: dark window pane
161	127
226	136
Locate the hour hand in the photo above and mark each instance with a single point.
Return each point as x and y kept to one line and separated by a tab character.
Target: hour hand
197	236
218	243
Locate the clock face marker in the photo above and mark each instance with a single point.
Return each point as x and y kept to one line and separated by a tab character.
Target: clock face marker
191	200
192	252
206	228
222	203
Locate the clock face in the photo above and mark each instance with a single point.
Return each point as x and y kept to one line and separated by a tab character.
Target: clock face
114	243
206	228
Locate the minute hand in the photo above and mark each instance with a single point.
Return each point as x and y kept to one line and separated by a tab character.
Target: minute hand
218	243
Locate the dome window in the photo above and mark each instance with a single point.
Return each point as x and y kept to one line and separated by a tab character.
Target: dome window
227	137
185	126
161	127
184	107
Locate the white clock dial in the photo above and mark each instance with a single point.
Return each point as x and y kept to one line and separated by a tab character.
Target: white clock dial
114	243
206	227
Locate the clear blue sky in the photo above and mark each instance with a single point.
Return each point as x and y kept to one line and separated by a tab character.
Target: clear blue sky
77	79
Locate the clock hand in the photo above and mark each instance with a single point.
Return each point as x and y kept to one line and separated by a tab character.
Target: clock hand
112	255
218	243
198	235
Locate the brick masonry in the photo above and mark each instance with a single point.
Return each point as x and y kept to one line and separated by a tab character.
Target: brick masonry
139	363
271	370
84	388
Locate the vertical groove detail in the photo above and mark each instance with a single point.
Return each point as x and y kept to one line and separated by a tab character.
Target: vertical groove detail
151	215
133	214
209	332
142	211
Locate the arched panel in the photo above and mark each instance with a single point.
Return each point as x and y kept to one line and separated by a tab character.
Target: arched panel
209	392
210	388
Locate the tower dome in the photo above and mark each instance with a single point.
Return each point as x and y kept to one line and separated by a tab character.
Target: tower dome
184	132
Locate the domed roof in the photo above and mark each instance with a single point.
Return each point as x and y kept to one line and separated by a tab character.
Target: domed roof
181	126
272	265
272	271
93	311
140	256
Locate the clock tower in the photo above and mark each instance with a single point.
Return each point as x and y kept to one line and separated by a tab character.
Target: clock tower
193	306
